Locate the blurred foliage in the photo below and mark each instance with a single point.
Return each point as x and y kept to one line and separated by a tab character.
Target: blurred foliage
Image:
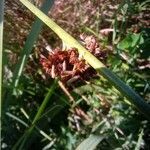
97	107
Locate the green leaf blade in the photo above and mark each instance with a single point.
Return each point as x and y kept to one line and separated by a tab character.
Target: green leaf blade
90	143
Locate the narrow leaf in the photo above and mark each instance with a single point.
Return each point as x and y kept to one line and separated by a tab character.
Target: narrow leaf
127	91
90	143
32	37
66	38
1	52
38	115
140	140
16	118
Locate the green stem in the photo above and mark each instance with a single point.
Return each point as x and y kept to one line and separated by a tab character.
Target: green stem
44	103
27	134
92	60
1	53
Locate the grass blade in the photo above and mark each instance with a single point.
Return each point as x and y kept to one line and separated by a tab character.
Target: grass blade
45	101
64	36
140	140
90	143
32	37
17	119
134	98
1	53
27	134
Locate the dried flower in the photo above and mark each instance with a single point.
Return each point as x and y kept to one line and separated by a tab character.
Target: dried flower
67	66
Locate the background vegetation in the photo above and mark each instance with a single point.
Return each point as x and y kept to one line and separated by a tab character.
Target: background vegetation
41	114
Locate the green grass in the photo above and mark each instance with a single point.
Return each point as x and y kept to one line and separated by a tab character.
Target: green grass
1	54
93	61
39	115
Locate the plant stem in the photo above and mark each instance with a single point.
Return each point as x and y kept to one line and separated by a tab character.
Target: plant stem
27	134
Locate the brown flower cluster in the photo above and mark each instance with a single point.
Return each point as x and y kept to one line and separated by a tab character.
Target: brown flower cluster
66	64
63	64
